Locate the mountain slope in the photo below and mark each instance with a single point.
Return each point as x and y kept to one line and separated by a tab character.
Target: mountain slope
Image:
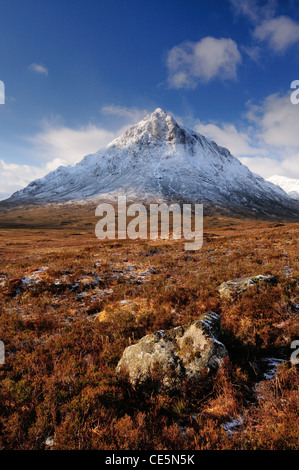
289	185
158	159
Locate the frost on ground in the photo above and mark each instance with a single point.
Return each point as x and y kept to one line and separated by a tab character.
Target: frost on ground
233	425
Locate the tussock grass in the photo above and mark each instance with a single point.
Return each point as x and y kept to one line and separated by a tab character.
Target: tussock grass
65	328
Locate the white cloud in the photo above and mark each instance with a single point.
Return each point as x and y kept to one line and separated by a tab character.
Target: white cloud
14	176
290	163
2	92
246	7
280	33
239	143
264	166
278	121
281	164
132	114
64	145
254	52
38	68
192	62
254	10
270	142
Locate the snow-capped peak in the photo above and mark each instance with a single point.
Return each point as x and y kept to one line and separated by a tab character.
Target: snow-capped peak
159	159
157	127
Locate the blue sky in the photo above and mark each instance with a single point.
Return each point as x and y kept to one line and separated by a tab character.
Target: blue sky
78	73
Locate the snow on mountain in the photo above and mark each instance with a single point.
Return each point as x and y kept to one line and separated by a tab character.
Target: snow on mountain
289	185
158	159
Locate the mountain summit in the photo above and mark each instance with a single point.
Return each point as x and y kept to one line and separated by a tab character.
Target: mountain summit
157	159
155	128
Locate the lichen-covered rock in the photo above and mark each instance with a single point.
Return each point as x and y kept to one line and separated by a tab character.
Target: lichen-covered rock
181	353
234	287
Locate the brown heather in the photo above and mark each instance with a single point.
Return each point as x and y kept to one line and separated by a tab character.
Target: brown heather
65	329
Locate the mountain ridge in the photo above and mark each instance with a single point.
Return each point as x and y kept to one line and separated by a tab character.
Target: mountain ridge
157	159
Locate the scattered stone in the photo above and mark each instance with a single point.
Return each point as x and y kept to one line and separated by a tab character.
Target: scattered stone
281	325
49	442
233	425
288	270
182	353
234	287
295	309
269	367
87	282
2	280
34	276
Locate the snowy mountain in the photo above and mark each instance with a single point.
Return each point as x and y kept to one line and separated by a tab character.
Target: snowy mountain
159	160
289	185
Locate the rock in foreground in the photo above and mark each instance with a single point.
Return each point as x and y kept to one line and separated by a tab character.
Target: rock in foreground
182	353
234	287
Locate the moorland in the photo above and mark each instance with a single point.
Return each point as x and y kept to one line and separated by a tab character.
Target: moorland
70	304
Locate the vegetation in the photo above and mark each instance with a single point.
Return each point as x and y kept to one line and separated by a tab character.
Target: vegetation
70	304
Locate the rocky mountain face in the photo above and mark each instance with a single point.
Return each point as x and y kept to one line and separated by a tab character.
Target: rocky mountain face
155	160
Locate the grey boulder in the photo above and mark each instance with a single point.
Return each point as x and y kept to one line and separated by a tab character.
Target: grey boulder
182	353
234	287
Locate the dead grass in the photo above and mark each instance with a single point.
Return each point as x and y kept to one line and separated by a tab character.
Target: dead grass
70	304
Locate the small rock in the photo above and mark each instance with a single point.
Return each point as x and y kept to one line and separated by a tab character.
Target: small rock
233	425
181	353
234	287
49	442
